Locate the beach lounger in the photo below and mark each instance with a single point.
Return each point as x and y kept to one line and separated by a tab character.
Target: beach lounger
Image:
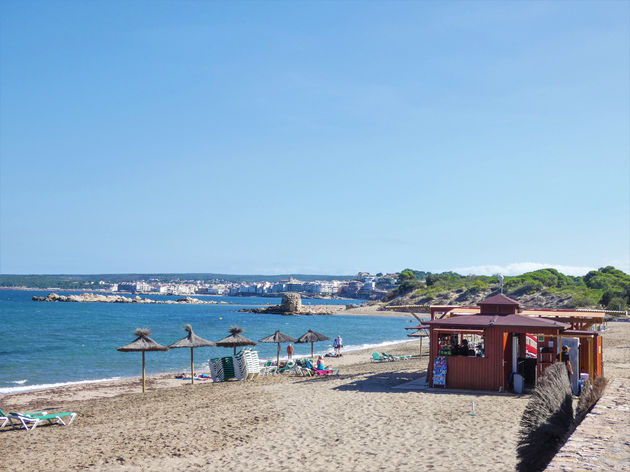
376	357
268	368
8	418
35	420
395	358
317	371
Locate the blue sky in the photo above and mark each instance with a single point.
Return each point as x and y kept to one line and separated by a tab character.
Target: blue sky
313	137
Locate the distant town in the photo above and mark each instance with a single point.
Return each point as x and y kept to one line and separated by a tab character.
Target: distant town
363	286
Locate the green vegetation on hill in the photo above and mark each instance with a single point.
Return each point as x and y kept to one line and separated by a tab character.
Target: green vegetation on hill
607	287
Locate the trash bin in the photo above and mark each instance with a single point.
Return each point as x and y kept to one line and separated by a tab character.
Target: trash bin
518	383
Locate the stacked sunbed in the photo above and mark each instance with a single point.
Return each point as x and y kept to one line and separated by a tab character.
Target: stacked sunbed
216	370
246	365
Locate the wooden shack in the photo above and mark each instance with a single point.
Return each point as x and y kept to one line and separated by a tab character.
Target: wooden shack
485	350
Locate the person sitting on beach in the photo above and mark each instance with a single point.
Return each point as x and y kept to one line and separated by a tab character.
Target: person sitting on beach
320	363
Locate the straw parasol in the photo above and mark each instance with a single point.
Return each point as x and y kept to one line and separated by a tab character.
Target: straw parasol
278	338
312	337
192	341
142	343
235	339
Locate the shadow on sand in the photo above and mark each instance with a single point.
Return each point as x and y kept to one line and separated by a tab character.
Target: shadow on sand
380	382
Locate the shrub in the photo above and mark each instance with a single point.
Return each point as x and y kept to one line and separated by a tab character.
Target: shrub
579	301
617	303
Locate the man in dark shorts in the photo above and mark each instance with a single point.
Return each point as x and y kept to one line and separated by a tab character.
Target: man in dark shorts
564	357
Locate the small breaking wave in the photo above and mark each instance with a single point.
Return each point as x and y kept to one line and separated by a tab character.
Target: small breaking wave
26	388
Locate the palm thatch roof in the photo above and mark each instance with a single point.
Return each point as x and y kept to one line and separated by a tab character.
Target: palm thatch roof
142	343
235	339
312	337
547	420
278	337
192	340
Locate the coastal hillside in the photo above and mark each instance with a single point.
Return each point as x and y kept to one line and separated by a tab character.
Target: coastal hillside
606	287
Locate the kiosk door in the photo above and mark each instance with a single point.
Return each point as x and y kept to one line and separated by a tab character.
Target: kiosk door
574	358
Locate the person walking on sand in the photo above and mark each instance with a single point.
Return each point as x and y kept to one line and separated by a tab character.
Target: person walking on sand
290	351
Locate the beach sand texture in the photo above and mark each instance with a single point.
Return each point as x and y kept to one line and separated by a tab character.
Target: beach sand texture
354	421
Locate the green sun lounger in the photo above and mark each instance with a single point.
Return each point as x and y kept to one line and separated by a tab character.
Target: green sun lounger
376	357
26	419
8	418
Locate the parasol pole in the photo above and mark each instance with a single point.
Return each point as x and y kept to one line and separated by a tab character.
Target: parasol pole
312	351
192	372
234	350
278	358
143	383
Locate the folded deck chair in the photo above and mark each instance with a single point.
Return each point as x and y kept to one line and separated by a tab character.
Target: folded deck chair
35	420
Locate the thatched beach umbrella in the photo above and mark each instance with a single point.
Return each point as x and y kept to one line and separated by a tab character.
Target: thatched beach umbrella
278	338
192	341
142	343
312	337
235	339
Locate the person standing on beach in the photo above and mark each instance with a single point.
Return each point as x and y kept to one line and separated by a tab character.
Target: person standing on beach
564	357
337	345
290	351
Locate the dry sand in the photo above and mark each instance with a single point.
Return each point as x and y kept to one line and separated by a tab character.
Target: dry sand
354	421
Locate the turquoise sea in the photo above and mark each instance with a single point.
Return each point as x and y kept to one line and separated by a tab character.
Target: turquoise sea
46	343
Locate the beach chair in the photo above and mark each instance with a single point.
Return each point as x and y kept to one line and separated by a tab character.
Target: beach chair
376	357
290	368
35	420
268	368
396	358
389	357
8	418
320	372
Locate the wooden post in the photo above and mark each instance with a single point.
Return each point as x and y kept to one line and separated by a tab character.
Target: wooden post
311	351
192	372
591	369
420	347
143	383
278	358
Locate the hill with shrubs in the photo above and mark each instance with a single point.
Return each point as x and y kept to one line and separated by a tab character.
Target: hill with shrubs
606	287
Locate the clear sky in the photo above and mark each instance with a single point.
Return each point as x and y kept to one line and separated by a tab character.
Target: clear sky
313	137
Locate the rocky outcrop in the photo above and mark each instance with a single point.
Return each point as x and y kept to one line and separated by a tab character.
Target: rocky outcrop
291	304
98	298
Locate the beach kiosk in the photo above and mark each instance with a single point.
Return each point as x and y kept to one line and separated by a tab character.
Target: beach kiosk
496	346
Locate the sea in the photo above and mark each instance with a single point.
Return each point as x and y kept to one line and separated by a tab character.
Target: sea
47	344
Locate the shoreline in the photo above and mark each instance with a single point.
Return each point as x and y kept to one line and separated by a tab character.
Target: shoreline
202	368
356	420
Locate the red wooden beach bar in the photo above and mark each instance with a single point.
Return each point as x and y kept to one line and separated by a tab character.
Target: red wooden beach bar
502	349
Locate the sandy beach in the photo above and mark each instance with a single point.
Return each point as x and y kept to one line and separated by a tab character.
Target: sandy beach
354	421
